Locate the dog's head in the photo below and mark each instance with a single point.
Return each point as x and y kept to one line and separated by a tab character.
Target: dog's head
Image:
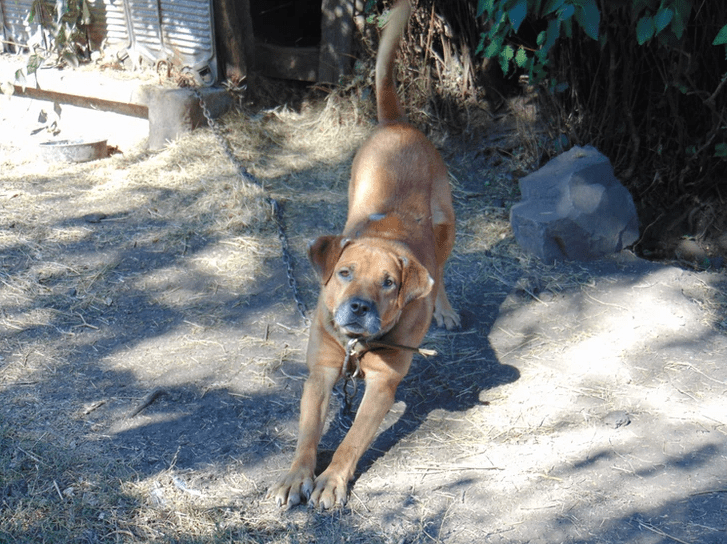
367	282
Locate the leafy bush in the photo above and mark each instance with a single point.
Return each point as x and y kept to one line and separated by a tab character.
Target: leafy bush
62	34
643	80
508	15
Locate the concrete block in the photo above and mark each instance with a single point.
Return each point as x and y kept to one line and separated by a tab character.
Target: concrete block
173	112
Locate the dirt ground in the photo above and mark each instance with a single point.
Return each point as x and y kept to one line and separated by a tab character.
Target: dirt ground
152	359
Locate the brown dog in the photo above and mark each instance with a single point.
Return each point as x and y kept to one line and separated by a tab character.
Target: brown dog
381	284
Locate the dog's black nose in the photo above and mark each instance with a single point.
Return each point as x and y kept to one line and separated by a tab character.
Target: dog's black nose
359	307
358	316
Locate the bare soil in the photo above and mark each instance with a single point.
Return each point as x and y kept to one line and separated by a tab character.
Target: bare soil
152	359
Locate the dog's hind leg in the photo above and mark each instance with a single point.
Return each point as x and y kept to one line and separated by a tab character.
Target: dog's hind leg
443	226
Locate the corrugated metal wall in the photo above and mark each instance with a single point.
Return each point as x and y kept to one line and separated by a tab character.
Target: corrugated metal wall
108	25
144	21
177	31
15	28
188	30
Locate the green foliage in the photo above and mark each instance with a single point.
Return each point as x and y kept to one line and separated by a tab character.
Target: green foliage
721	38
651	94
507	17
61	23
664	20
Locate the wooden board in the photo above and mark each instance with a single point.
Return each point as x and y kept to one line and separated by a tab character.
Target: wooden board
299	63
336	40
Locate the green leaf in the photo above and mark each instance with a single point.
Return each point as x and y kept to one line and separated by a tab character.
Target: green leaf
682	9
498	21
521	57
481	45
721	38
485	6
504	66
508	53
34	62
677	26
537	74
492	50
517	14
20	78
505	57
589	18
552	5
662	19
644	29
552	34
566	12
720	151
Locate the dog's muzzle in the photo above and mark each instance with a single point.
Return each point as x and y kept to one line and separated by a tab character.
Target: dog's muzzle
358	317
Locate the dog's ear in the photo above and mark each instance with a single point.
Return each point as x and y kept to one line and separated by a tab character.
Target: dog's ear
415	281
324	253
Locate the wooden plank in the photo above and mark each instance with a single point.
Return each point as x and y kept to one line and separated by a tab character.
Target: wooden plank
298	63
336	40
125	108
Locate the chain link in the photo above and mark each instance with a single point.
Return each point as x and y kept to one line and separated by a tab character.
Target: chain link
249	181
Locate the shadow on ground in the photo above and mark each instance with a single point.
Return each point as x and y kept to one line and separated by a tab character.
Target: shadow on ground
95	324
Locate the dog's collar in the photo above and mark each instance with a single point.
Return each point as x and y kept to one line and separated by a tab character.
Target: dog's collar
356	348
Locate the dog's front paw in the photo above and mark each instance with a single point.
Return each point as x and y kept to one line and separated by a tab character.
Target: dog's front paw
295	488
444	314
449	319
331	489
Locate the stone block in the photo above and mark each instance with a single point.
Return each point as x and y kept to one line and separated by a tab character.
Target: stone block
173	112
574	208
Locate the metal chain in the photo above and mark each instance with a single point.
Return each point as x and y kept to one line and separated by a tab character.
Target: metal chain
248	181
345	419
350	376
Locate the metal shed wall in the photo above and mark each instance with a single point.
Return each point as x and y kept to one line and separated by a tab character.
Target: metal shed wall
15	29
180	32
109	28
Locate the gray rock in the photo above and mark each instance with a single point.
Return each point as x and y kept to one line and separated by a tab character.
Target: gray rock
574	208
616	419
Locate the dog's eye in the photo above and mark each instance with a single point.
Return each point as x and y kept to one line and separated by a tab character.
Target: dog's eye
389	283
345	274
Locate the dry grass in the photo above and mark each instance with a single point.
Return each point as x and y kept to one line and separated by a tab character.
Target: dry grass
146	272
64	276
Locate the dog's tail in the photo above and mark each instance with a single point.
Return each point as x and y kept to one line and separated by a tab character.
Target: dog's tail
388	108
